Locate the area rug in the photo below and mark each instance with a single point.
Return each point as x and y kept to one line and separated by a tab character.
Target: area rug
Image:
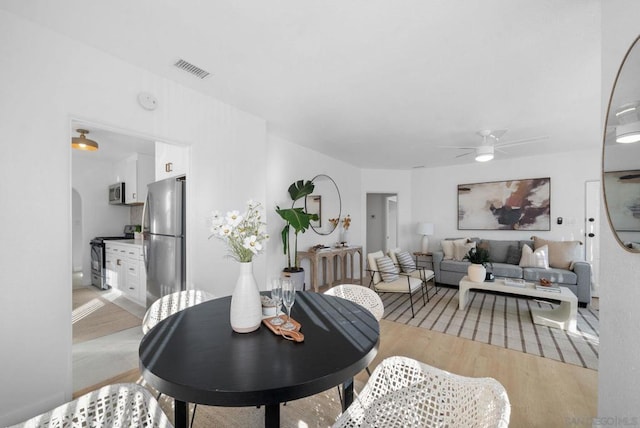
94	315
500	320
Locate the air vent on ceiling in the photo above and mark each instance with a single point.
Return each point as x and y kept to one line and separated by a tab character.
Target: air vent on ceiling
190	68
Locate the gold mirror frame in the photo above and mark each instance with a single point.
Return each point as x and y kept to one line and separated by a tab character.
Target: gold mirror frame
327	202
620	176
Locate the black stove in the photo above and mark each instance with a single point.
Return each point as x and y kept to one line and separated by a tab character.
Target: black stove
98	255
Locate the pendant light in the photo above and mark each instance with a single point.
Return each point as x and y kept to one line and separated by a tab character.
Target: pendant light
82	142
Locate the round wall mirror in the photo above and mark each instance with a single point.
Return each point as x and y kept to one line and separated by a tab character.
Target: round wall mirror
621	153
325	201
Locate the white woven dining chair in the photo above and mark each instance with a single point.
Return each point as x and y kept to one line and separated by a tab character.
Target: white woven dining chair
403	392
170	304
118	405
361	295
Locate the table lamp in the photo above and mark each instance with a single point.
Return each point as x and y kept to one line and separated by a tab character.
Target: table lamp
425	229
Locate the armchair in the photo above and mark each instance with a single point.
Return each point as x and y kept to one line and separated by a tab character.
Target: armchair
386	278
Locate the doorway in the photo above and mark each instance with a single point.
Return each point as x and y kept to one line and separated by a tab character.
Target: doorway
592	231
382	221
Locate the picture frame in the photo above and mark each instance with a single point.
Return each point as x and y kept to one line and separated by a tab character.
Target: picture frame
523	204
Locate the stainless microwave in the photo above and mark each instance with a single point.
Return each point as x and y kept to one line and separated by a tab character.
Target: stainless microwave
116	194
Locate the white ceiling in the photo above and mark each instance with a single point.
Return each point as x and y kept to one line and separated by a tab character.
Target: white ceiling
379	84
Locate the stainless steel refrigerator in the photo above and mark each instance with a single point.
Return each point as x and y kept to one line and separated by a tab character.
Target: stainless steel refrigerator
164	237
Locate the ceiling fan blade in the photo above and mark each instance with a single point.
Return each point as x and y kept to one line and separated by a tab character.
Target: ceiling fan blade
464	154
498	133
456	147
523	141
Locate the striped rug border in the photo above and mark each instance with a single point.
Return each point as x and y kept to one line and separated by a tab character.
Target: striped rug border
499	320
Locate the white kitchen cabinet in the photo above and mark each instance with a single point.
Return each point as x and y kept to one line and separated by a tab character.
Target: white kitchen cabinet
125	269
171	160
136	172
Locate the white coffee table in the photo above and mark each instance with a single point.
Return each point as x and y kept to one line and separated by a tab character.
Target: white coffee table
564	316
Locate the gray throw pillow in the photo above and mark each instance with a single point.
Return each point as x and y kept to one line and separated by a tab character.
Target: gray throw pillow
388	270
513	255
407	263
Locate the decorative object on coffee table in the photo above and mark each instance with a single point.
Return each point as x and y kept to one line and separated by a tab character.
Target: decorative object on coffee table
479	258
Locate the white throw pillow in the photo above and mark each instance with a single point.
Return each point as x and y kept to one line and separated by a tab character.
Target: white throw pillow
448	247
460	249
538	258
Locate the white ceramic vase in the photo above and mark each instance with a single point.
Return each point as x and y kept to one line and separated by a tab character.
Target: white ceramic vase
246	307
476	272
344	236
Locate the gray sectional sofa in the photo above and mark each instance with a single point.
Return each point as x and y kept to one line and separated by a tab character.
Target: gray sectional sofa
504	264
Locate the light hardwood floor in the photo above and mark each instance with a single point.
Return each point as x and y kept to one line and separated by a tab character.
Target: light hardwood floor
543	392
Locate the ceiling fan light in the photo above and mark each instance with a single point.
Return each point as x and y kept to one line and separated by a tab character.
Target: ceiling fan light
83	143
628	133
484	153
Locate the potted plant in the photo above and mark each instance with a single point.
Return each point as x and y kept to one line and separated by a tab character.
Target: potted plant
300	221
479	258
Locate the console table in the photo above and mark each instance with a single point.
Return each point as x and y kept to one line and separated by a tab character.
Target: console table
324	259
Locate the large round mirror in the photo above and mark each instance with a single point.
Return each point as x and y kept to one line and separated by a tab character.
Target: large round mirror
325	201
621	153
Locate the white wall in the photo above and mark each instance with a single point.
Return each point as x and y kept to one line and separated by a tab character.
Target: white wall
619	368
48	80
436	200
288	162
91	179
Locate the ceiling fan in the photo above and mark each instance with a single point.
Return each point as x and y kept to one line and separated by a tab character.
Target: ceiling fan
490	143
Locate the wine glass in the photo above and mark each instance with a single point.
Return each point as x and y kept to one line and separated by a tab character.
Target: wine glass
276	295
288	297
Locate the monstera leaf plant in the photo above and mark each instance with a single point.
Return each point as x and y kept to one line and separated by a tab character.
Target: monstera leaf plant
296	219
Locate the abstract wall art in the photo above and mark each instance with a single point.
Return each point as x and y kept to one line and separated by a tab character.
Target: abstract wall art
505	205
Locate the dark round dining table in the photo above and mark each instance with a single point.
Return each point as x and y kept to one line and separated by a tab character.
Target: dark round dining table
195	357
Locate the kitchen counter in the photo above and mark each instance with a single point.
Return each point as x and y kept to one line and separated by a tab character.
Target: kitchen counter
132	242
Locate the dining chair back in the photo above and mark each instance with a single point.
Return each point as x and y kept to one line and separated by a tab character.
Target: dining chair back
363	296
170	304
404	392
117	405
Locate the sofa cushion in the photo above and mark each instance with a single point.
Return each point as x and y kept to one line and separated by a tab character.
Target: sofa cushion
454	266
561	253
387	268
559	276
393	255
506	270
407	263
538	258
498	249
513	255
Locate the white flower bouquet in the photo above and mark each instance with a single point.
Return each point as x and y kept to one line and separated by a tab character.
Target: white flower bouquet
243	233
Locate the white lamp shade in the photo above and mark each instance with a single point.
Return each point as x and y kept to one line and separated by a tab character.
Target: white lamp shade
424	229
